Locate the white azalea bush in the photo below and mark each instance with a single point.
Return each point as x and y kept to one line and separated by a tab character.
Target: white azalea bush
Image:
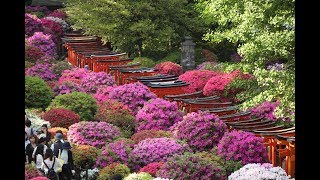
36	121
92	174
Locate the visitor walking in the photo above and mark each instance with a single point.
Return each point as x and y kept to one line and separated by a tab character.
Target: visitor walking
67	157
30	147
38	156
57	144
29	130
50	165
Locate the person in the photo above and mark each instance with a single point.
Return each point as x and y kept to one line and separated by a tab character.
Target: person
67	157
39	156
26	140
50	161
42	140
28	127
44	130
57	144
30	147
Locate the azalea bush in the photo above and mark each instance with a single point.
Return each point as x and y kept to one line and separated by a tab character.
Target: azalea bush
201	130
144	62
84	155
190	166
152	168
28	64
32	24
92	81
155	150
42	9
40	178
134	95
138	176
45	43
95	134
265	110
144	134
33	54
53	28
37	93
42	70
31	171
63	23
54	129
92	174
114	168
74	75
196	79
60	66
60	117
117	151
79	102
36	120
58	13
243	146
102	94
169	68
158	114
66	87
258	171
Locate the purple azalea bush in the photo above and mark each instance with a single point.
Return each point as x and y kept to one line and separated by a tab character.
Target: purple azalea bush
243	146
201	130
42	9
158	114
32	24
45	43
43	70
265	110
95	134
134	95
102	94
66	87
156	150
92	81
117	151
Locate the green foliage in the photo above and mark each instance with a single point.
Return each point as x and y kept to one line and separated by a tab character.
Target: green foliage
60	66
115	168
79	102
262	30
28	64
174	57
144	62
37	93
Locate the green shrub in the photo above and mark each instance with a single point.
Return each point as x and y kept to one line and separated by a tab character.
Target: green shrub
144	61
28	64
174	57
115	168
79	102
37	93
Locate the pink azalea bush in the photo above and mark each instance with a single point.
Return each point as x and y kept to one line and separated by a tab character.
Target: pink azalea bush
190	166
92	81
243	146
117	151
145	134
169	68
40	178
53	28
31	171
201	130
95	134
134	95
74	75
66	87
158	114
265	110
102	94
155	150
59	14
197	79
32	24
152	168
43	70
45	43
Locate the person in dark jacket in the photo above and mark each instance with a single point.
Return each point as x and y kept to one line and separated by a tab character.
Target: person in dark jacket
57	145
30	147
66	155
44	130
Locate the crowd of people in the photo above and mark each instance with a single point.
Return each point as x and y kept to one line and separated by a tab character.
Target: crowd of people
52	156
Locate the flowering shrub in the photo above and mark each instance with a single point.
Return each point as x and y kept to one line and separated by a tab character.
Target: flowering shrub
112	169
66	87
79	102
134	95
276	66
92	174
45	43
84	155
144	62
37	93
58	13
60	117
139	176
243	146
258	171
31	171
118	114
201	130
265	110
152	168
117	151
207	65
53	28
156	150
144	134
42	9
54	129
169	68
74	75
33	54
60	66
36	120
197	79
32	24
43	70
40	178
92	81
190	166
63	24
95	134
102	94
158	114
28	64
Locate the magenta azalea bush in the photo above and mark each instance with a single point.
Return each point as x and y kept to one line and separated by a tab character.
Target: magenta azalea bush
156	150
169	68
43	70
218	83
117	151
58	13
190	166
102	94
92	81
53	28
66	87
40	178
134	95
95	134
201	130
45	43
74	75
158	114
152	168
63	23
197	79
33	54
265	110
243	146
32	24
31	171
